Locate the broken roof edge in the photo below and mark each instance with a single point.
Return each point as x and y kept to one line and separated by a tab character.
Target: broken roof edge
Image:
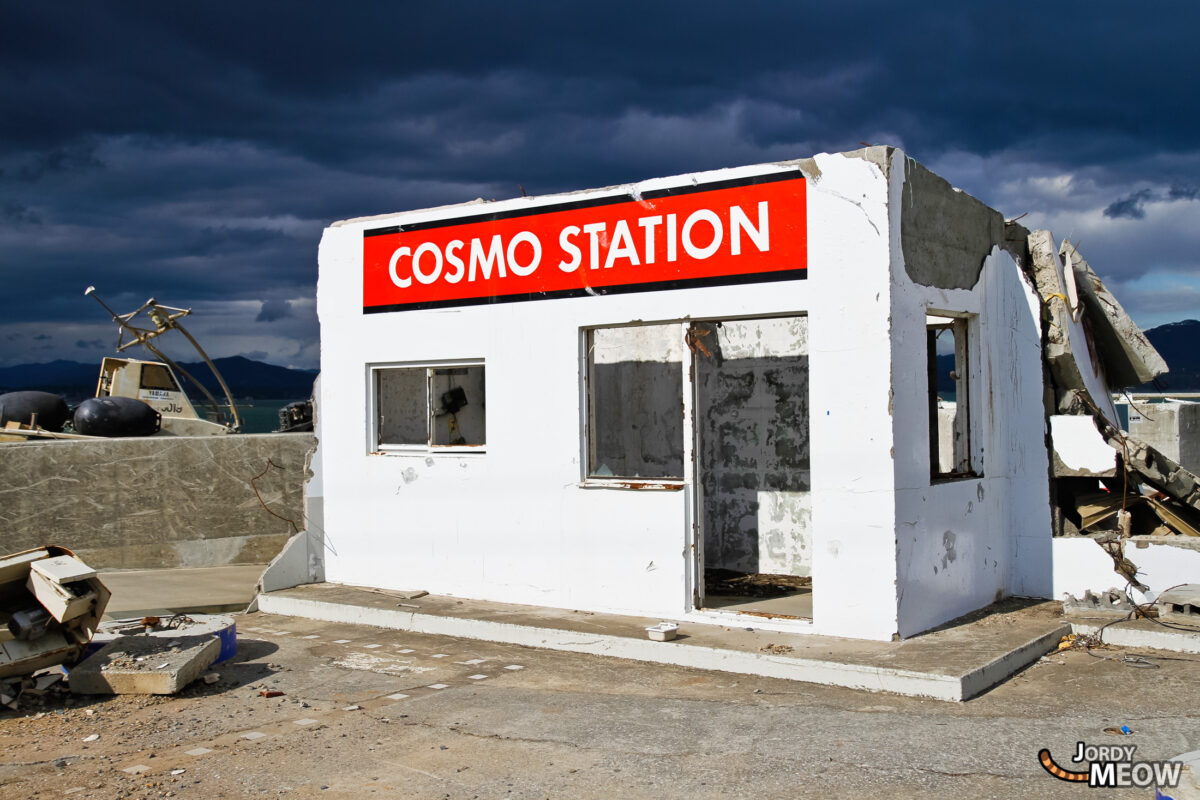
879	155
1128	356
946	234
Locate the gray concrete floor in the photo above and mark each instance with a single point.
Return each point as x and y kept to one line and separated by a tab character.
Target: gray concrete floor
567	725
795	604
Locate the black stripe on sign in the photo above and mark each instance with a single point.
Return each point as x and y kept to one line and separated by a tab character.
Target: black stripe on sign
625	288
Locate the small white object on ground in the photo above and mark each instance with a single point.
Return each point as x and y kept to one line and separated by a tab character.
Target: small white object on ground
663	631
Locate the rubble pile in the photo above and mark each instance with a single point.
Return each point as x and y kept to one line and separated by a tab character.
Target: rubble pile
1092	349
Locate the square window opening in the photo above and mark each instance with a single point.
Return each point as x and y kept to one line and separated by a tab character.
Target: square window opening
635	402
430	407
950	451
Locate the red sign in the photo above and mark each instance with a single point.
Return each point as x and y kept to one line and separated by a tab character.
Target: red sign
743	231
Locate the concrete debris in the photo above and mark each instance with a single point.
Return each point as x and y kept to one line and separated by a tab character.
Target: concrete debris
1125	353
1122	565
1112	601
35	690
1154	468
144	665
1067	348
172	630
1184	599
1129	515
1092	348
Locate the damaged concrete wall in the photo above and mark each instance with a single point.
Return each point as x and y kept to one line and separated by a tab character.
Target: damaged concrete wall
1171	428
964	543
945	233
1081	564
752	408
154	503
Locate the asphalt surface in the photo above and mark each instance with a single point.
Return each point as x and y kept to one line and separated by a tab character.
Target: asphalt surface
362	715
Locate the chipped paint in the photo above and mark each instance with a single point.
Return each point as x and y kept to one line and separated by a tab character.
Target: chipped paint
752	390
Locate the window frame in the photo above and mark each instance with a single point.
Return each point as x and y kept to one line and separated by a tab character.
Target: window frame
964	327
588	422
376	447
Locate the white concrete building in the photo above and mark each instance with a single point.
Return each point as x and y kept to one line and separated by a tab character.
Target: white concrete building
587	401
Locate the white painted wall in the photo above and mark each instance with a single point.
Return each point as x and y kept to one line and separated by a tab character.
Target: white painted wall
853	510
891	552
513	524
1079	445
1081	564
962	544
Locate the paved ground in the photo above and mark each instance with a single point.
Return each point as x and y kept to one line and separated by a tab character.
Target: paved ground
213	590
521	723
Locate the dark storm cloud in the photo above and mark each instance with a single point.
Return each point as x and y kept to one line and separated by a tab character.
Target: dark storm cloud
195	152
273	310
14	213
71	159
1132	207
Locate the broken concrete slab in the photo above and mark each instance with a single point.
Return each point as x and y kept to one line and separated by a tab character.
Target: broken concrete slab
1113	602
1124	351
1184	600
1068	349
1141	632
144	665
1157	470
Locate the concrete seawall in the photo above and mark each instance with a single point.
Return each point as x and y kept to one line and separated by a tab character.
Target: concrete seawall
155	503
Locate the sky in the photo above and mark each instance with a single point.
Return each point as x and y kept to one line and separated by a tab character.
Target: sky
195	152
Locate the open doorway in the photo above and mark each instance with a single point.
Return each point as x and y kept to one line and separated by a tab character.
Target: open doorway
754	504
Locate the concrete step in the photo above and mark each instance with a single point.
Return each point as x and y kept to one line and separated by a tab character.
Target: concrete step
956	662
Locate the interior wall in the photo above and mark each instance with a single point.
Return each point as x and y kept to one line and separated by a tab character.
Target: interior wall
752	419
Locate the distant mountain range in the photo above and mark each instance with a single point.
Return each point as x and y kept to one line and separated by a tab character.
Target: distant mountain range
246	378
1178	342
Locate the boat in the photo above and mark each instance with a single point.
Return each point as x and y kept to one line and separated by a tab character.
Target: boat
133	397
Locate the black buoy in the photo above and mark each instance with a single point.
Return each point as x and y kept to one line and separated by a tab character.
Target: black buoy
115	416
51	410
